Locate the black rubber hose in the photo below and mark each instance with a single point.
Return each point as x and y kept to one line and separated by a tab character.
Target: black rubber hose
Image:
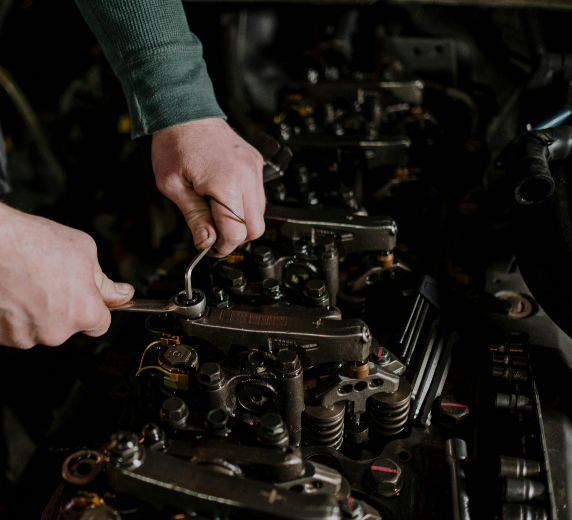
540	219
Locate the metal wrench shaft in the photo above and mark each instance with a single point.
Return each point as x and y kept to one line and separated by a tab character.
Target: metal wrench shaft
456	456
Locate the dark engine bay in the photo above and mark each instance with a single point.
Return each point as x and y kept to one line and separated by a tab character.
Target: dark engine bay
395	345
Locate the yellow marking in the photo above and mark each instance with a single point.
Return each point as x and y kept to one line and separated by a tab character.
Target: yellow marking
318	323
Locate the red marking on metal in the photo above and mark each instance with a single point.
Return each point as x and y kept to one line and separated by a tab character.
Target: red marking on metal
381	468
350	501
456	405
380	351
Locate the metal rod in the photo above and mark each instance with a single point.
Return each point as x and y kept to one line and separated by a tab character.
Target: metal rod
417	314
189	272
417	332
410	318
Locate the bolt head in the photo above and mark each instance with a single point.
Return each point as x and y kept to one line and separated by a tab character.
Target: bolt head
287	361
235	278
210	373
262	254
272	422
316	288
301	245
175	409
387	478
452	411
270	286
351	508
326	244
123	448
217	418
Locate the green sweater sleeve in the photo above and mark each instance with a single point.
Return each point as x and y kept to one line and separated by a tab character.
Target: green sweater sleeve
157	59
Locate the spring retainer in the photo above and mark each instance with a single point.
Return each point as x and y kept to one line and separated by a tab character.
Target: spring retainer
323	426
388	413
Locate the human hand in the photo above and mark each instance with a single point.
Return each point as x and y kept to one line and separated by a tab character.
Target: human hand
51	284
207	157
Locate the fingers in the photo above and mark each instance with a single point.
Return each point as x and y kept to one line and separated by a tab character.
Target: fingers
197	213
112	294
231	230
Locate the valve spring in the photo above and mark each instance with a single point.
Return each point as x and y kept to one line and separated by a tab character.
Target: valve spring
388	413
324	426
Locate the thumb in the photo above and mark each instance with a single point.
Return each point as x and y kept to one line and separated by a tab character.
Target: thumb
197	213
112	293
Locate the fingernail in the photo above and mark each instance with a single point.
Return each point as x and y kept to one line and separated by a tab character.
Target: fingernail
200	236
123	288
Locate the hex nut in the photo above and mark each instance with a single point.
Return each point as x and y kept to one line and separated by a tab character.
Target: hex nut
210	373
263	254
174	410
287	362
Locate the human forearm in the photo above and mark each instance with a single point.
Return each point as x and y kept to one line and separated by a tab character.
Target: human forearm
157	59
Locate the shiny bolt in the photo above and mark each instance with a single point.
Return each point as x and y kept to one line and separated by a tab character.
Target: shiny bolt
287	361
153	436
301	246
217	419
517	468
316	288
523	512
380	354
218	298
174	409
210	373
235	278
262	254
270	287
386	475
124	449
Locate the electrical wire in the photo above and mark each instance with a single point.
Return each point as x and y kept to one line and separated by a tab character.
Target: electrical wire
226	207
154	367
143	356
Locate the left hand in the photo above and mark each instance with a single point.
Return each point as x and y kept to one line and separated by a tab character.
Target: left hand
206	157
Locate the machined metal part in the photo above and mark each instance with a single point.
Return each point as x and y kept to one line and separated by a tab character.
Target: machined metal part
356	233
386	476
178	305
274	385
385	359
513	402
276	157
523	512
315	341
81	467
166	481
516	467
523	490
389	412
375	274
323	425
457	455
340	387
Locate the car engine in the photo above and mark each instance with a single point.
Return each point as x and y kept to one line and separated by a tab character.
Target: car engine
395	345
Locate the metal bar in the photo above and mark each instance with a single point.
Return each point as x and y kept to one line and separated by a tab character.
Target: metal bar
418	332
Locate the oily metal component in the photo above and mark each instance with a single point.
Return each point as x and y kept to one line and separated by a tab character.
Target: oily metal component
272	431
324	425
516	467
386	477
318	479
314	340
167	482
179	356
355	232
451	410
389	412
513	402
81	467
375	274
275	465
457	455
510	373
276	157
253	387
523	490
523	512
385	359
505	359
340	387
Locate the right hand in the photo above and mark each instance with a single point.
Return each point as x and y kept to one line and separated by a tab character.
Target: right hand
51	284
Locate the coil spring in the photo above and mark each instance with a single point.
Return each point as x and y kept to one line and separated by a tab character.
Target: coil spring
324	426
388	413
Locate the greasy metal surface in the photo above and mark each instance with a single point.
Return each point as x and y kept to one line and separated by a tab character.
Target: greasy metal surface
315	341
166	481
355	232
